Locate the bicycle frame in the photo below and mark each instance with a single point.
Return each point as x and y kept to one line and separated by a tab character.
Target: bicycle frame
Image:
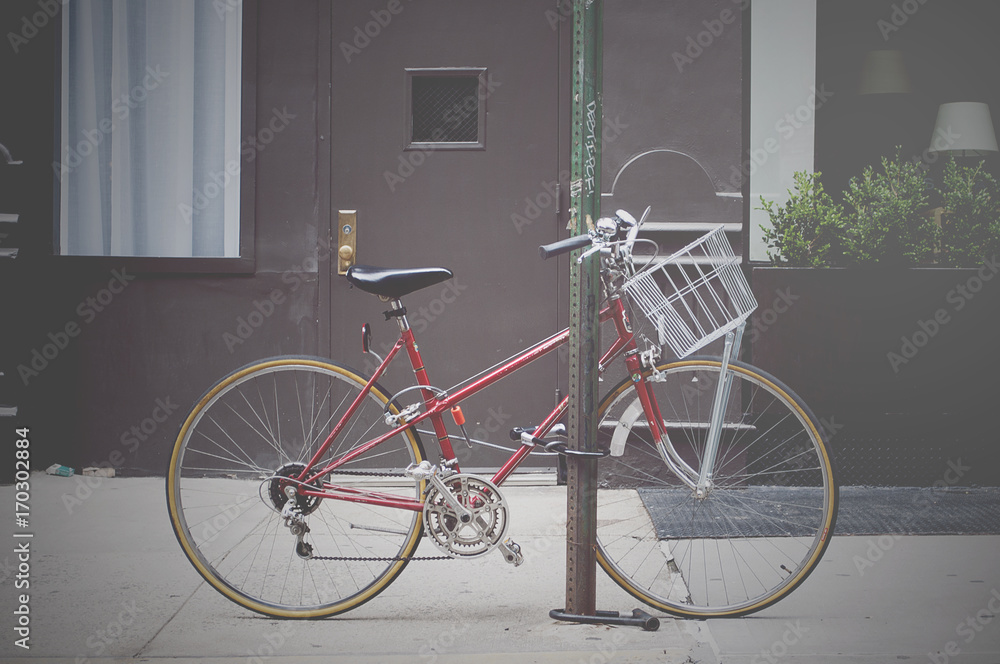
735	454
435	406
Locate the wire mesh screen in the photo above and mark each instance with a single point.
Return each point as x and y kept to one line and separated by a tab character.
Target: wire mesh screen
445	109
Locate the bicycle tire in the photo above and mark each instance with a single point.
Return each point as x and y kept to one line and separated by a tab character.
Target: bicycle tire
762	529
257	423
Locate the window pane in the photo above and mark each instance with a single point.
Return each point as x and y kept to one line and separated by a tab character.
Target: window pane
150	129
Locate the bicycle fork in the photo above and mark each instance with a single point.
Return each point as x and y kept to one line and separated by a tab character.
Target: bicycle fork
701	480
730	350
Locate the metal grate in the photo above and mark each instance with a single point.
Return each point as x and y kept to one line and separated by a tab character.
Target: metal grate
862	511
445	109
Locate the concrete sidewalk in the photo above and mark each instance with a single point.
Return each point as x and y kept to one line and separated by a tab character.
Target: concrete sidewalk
108	582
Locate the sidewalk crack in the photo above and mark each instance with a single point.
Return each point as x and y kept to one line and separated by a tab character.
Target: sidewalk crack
142	649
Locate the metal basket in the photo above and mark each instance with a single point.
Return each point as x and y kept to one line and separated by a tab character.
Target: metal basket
710	296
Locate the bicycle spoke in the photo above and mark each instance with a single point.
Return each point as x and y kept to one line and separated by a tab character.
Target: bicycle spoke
253	409
270	440
249	464
226	490
753	535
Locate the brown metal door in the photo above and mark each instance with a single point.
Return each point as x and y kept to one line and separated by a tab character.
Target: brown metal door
445	141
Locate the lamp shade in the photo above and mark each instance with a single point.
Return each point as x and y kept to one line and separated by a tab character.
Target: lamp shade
883	72
964	129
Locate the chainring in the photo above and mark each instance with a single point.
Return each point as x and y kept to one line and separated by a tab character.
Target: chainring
483	533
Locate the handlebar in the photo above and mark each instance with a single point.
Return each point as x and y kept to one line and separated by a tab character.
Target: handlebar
619	231
563	246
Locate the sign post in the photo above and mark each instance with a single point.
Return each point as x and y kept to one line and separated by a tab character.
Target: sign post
584	331
584	339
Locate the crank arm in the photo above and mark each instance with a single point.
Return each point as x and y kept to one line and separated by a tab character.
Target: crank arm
425	471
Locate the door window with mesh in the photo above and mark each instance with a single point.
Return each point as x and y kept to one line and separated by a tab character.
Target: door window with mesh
446	109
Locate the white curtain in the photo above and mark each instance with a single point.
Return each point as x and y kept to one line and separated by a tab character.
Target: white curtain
149	161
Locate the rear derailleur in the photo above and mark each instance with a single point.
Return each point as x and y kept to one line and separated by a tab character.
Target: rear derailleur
295	521
294	506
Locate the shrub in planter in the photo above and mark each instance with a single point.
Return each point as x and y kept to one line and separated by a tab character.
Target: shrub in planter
809	230
885	220
971	225
887	211
887	350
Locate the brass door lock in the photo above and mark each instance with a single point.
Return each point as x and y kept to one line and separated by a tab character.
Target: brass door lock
347	239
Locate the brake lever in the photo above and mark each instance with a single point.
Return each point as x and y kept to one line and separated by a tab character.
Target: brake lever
592	250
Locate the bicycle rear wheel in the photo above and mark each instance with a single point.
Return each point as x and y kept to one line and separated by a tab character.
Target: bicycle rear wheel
267	420
758	533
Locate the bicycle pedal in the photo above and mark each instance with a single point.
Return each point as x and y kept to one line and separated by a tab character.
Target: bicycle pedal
424	471
511	552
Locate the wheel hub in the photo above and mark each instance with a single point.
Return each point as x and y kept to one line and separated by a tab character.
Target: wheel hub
278	485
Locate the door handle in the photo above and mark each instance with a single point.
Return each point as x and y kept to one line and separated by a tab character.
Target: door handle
347	239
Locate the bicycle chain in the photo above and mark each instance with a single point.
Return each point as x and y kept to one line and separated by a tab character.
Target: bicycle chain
366	473
375	559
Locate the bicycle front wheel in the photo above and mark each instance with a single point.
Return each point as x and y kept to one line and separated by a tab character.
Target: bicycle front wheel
224	493
766	519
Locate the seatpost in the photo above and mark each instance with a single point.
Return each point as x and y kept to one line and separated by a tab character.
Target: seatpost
397	311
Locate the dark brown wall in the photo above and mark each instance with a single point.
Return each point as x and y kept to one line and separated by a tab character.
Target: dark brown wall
161	341
666	90
673	81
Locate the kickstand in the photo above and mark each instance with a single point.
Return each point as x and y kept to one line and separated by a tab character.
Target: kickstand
639	618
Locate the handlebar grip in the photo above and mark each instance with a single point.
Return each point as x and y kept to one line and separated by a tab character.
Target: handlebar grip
563	246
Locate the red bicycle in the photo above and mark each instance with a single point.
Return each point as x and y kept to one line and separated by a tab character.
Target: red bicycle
300	488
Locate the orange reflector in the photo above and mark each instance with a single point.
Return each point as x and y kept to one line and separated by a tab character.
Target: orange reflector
456	412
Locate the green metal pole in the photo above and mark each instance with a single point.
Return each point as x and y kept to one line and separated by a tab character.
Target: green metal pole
584	339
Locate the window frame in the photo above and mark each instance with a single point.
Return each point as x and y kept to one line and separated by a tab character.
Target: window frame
440	72
243	264
782	161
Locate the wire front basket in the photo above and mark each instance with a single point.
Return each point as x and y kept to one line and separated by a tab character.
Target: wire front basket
708	294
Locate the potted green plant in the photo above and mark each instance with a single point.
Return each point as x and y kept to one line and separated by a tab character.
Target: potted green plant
884	312
970	198
888	212
884	220
809	230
